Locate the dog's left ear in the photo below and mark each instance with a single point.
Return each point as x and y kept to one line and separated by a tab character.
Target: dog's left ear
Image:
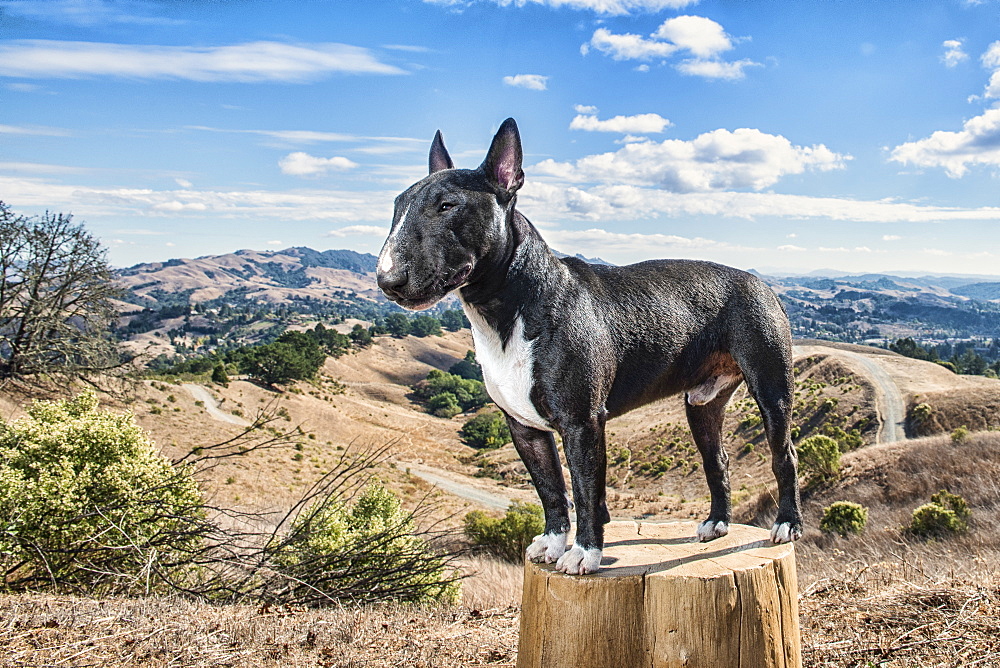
503	162
439	158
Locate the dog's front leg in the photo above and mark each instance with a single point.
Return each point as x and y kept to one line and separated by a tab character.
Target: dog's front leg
584	444
538	452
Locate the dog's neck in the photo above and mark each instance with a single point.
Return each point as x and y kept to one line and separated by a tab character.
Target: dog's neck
512	278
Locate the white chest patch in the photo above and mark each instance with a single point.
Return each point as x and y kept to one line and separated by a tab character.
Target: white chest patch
507	371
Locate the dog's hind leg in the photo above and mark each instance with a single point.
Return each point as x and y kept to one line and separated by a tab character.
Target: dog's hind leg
706	421
769	379
538	452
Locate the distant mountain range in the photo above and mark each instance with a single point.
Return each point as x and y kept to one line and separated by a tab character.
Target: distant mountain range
841	306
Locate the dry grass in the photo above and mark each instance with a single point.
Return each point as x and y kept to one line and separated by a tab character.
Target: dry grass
890	616
49	630
976	408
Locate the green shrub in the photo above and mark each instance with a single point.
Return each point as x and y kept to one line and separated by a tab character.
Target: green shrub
954	503
507	537
959	434
219	374
470	394
87	502
486	430
467	367
932	520
364	549
444	405
921	413
819	456
844	517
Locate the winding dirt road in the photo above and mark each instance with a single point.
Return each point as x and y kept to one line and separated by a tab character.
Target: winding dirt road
201	393
889	403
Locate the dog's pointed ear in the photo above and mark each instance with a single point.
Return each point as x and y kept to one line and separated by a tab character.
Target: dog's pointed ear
503	162
439	158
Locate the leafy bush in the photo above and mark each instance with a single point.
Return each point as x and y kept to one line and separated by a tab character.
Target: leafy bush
946	514
921	413
820	456
425	325
294	356
219	374
486	430
454	320
959	434
467	367
507	537
844	517
363	549
86	501
444	405
470	394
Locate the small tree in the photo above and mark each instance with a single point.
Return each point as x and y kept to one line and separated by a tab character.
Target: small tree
425	325
219	374
467	367
397	324
454	320
56	298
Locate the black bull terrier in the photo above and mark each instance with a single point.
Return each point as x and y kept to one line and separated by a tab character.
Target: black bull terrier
566	345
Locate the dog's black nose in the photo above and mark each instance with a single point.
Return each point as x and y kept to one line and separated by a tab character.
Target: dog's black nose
392	281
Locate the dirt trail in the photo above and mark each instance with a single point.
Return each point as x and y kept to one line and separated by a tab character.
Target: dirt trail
889	402
461	486
202	394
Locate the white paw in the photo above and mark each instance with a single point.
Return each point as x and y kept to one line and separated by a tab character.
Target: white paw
580	561
548	547
709	530
784	533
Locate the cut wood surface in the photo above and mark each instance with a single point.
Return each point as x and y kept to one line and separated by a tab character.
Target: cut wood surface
663	599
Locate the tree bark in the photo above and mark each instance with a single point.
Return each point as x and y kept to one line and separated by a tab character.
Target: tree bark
662	599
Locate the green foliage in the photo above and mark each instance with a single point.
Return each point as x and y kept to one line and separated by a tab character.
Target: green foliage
911	348
959	434
819	456
219	374
444	405
486	430
425	325
844	517
507	537
921	413
954	503
369	547
86	501
294	356
946	514
470	394
360	336
397	324
468	367
454	320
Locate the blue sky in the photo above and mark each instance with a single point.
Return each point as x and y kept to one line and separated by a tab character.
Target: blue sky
854	135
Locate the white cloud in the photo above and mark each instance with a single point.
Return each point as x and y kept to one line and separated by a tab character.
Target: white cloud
717	160
609	7
549	202
584	109
83	12
891	237
953	53
789	248
640	123
359	231
250	62
977	143
703	37
991	60
529	81
716	69
696	36
274	242
183	183
33	130
303	164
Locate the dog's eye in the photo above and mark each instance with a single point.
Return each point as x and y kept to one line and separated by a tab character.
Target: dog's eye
445	206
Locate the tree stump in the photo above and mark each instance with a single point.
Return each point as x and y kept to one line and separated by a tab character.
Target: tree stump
663	599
